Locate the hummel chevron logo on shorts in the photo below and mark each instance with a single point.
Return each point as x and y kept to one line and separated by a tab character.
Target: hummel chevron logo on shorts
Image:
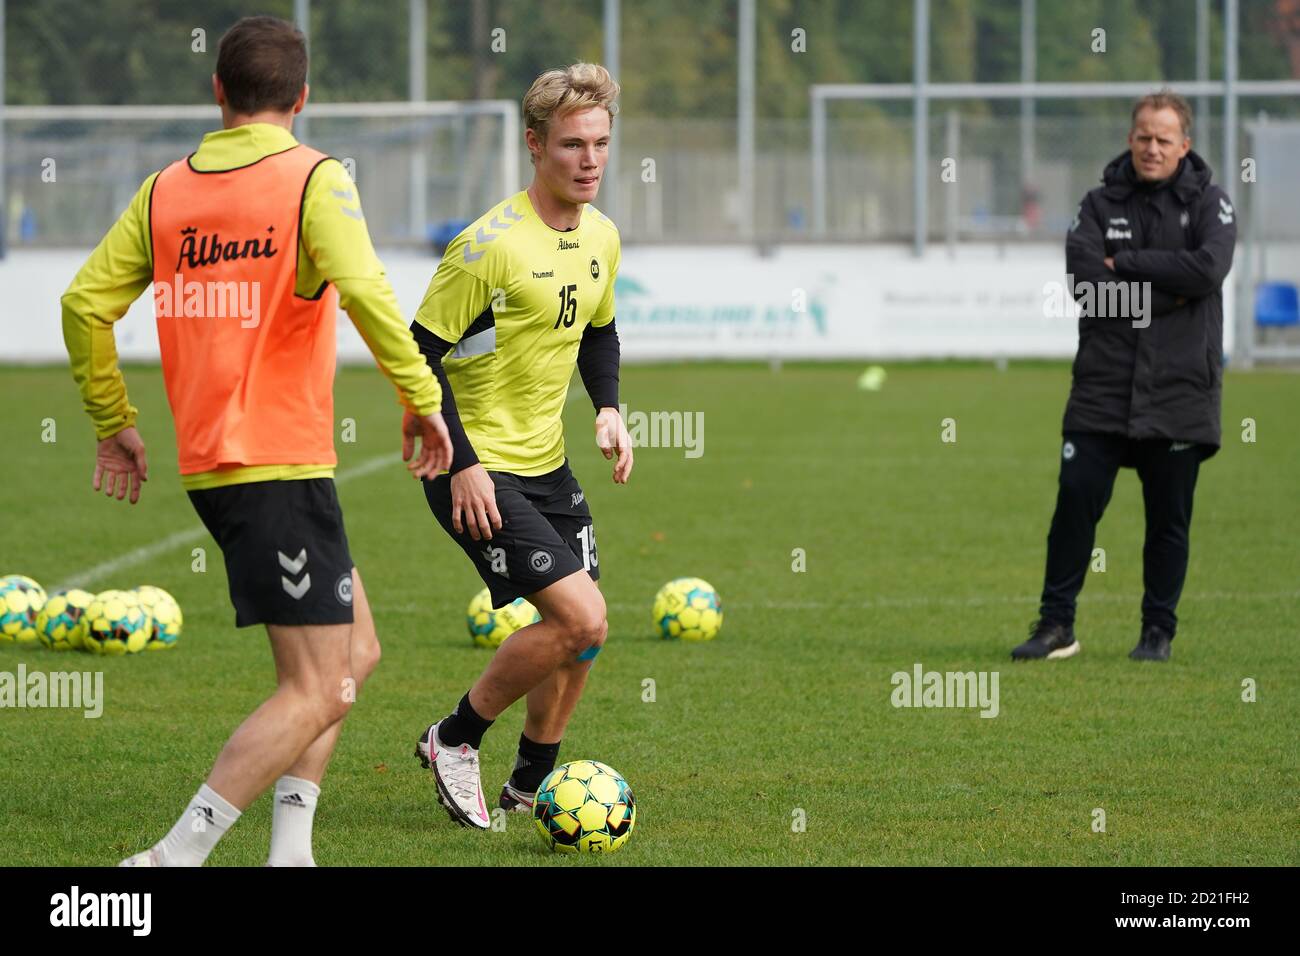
293	566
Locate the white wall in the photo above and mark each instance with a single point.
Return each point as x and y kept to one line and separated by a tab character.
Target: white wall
858	302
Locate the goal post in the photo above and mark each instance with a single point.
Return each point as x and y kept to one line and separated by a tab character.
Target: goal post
416	163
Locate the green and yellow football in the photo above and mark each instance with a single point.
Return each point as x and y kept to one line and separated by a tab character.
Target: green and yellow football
61	623
687	608
116	624
489	627
21	600
166	615
584	807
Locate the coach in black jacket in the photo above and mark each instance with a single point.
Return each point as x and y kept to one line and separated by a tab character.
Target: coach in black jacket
1147	255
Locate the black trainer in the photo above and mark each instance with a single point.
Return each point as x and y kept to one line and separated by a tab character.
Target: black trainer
1047	641
1154	645
516	801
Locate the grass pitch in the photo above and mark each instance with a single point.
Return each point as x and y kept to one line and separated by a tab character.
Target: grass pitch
917	551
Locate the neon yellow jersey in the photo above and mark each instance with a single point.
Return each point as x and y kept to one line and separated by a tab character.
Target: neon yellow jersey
334	247
516	295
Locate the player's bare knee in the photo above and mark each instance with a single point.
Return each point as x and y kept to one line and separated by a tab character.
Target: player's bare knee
333	704
602	634
365	658
325	698
586	629
371	654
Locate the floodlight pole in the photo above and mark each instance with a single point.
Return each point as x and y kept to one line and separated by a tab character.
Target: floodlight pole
302	20
4	206
609	198
920	123
745	120
1028	70
1242	292
1203	70
417	88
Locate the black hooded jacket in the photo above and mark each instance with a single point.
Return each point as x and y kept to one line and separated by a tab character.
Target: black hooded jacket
1165	380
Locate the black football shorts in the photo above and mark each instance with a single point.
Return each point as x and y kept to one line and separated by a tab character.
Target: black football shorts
286	553
546	532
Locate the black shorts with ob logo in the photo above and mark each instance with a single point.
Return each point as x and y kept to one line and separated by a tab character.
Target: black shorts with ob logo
546	532
286	553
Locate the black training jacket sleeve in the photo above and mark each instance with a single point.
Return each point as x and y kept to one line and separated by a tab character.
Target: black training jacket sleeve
1085	260
1190	272
1085	250
598	356
1162	303
433	349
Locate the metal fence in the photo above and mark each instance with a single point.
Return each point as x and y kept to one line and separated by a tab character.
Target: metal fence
674	179
416	164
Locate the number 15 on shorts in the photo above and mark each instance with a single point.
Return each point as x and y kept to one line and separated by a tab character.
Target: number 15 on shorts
587	536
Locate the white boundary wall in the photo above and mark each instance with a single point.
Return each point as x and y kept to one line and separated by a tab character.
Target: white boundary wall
706	302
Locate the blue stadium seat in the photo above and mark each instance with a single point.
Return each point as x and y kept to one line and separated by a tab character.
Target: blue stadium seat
1277	304
441	234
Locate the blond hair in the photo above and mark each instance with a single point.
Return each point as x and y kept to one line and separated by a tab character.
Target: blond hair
1166	99
577	87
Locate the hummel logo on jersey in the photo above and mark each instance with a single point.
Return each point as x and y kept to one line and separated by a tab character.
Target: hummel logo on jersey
482	236
1113	233
347	195
1225	211
1181	445
548	274
566	244
294	566
1118	221
577	498
293	800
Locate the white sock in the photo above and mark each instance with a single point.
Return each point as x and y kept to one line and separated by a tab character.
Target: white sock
204	822
291	819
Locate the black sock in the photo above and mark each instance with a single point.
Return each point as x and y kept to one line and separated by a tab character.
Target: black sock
463	726
532	765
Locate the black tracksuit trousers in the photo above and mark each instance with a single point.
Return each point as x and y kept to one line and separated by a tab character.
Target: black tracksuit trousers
1089	463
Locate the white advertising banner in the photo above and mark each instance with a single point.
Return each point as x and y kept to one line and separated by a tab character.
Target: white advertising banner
836	302
705	302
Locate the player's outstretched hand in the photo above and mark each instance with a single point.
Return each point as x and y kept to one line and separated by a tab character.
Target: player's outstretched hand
612	439
474	495
435	444
120	463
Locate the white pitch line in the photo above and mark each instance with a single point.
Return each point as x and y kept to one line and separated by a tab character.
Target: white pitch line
934	600
917	601
178	539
